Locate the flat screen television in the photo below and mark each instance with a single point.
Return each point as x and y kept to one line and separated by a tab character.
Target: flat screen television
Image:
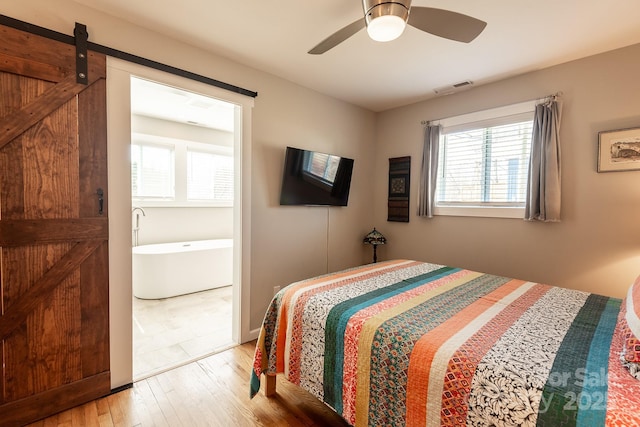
314	178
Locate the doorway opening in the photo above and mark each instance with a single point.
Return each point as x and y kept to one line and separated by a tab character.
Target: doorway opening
182	225
119	205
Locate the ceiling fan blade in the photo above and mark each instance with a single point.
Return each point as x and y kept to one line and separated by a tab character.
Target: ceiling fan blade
445	23
338	37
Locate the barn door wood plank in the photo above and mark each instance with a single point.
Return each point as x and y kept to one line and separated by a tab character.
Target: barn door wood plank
23	45
23	411
16	123
94	296
33	69
94	273
28	231
42	289
92	149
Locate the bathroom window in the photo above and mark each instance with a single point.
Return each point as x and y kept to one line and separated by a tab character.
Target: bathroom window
152	171
209	176
173	172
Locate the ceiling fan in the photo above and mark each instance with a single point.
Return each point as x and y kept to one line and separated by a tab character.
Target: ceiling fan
386	20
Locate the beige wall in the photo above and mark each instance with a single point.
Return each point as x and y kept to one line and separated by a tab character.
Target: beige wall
596	247
293	242
287	243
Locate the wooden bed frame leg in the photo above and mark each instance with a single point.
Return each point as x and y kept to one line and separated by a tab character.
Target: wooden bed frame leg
270	385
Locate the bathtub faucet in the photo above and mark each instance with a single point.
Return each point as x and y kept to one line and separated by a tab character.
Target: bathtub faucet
137	210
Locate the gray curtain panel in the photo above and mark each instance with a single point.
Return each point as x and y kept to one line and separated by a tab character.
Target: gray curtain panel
429	171
543	191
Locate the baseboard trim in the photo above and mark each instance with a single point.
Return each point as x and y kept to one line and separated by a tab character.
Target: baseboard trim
121	388
253	334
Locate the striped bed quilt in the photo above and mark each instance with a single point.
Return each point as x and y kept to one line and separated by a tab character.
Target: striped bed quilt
410	343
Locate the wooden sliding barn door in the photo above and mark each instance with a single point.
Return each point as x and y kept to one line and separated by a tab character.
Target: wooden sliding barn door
54	325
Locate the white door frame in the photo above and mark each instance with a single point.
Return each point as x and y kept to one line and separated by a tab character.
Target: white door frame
119	74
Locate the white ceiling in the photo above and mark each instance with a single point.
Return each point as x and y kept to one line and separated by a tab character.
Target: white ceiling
274	36
169	103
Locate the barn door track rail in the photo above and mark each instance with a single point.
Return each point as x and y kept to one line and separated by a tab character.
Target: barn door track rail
83	45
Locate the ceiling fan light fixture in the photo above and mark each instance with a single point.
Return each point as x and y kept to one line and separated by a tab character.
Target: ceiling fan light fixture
386	28
386	20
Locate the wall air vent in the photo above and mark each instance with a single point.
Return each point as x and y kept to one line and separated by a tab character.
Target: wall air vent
456	87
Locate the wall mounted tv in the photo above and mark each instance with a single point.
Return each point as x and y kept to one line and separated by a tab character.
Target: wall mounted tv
314	178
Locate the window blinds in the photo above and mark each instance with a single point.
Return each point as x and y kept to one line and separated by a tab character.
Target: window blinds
485	162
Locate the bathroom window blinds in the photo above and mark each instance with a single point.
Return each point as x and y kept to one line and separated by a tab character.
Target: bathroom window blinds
209	176
183	173
152	171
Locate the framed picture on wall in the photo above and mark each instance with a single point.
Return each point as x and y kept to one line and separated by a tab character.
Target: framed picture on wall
619	150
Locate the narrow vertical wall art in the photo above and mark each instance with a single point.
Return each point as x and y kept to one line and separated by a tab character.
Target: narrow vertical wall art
399	180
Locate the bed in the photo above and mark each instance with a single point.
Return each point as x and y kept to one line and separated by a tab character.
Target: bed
410	343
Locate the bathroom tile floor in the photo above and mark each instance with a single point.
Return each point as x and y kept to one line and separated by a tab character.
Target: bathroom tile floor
173	331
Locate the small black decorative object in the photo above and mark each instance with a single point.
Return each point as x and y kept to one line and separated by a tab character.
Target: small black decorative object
374	238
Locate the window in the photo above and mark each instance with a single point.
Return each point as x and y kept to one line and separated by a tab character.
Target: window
209	176
173	172
152	171
483	163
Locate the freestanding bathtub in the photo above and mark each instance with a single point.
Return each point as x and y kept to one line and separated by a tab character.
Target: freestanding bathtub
170	269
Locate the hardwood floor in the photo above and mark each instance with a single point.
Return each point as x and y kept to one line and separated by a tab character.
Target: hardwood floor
211	392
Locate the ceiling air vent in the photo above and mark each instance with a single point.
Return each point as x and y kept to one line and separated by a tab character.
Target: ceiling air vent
456	87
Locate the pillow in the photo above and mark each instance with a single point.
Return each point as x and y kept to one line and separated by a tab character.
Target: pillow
630	326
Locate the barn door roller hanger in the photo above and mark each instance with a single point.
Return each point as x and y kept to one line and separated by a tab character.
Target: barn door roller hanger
81	37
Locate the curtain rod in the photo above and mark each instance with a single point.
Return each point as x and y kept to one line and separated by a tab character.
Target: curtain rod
547	98
64	38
